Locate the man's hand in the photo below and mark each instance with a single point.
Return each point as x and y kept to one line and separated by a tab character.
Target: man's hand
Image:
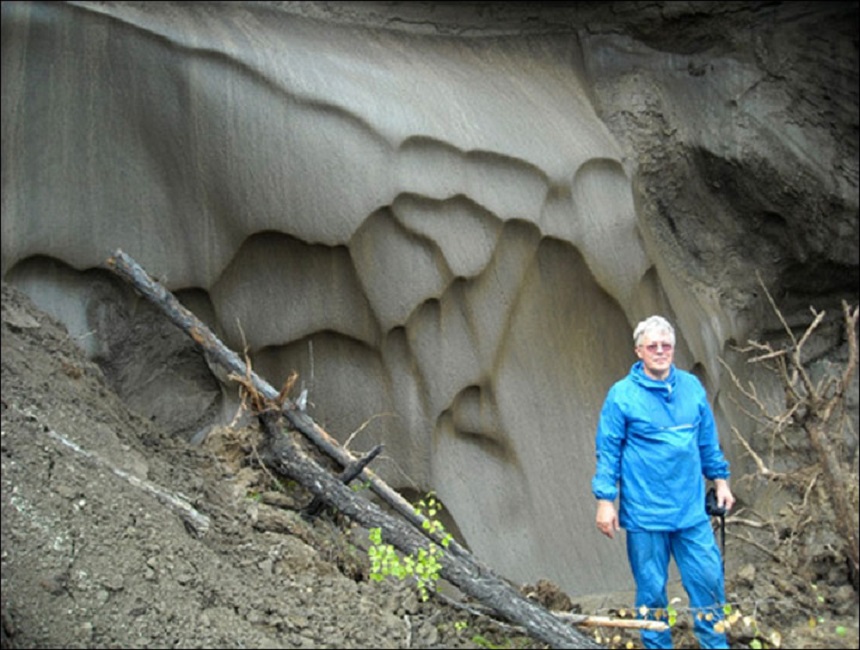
725	498
607	518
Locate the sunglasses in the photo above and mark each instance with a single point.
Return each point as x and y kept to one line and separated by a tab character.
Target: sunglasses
653	347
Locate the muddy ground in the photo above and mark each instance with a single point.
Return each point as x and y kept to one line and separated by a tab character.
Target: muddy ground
97	552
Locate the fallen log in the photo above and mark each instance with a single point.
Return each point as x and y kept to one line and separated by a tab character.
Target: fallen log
459	567
218	353
285	456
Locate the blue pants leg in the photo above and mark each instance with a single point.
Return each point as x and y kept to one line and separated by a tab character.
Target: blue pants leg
701	566
648	554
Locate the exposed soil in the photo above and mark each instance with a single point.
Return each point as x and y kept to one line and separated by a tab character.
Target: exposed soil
94	554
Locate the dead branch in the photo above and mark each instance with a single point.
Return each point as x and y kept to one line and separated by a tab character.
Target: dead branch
498	594
195	521
459	566
345	477
258	390
607	621
573	618
743	521
851	318
812	407
762	468
749	540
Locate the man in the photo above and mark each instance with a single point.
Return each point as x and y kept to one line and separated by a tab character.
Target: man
656	439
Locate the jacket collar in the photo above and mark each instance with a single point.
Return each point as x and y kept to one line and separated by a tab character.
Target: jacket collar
665	387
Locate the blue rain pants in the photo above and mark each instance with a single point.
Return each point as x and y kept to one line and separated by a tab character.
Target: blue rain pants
701	567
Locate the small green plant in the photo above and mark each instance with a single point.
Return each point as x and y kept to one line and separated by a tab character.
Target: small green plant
485	642
429	507
461	625
817	619
507	643
357	487
672	612
282	485
422	565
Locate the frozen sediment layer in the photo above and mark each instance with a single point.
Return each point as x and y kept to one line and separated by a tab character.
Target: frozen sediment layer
430	230
439	233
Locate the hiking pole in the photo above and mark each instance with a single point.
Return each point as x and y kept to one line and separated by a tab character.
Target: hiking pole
715	510
723	538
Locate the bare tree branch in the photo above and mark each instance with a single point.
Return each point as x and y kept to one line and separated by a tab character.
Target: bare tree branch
812	407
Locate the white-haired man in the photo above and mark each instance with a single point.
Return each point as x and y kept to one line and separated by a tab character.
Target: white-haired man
656	443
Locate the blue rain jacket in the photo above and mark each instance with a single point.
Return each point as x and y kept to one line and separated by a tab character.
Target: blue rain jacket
655	442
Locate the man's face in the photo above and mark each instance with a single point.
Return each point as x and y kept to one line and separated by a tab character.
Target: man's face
656	349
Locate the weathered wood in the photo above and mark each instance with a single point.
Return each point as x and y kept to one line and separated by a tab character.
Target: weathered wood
282	453
349	473
218	353
459	566
607	621
195	522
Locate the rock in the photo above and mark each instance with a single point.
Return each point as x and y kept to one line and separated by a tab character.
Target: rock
747	574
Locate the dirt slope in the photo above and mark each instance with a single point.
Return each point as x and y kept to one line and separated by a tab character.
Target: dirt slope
96	551
93	558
